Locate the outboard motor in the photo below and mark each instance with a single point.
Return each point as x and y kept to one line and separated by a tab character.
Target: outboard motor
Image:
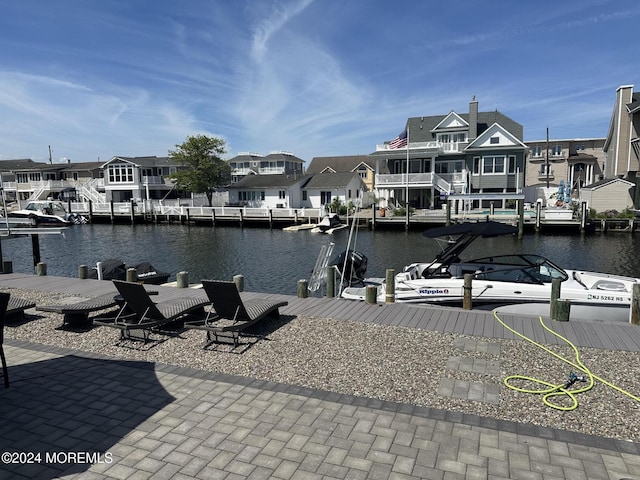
355	267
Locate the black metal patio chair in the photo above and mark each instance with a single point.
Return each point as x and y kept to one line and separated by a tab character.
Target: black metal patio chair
231	315
140	313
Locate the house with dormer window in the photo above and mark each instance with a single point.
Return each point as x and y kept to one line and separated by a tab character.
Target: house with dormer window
363	165
474	156
276	163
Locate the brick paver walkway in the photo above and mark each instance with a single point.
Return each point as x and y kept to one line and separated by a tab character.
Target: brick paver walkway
87	416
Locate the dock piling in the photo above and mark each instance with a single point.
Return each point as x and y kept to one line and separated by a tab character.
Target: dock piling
303	288
390	285
467	302
182	279
41	269
331	282
634	313
132	275
239	281
371	294
83	272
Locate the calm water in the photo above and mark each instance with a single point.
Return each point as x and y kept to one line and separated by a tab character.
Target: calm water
273	261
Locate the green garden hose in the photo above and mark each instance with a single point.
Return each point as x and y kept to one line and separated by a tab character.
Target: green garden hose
553	390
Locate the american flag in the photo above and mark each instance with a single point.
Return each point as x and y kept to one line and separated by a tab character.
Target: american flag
400	141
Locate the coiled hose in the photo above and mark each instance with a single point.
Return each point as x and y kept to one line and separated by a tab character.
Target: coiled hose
552	390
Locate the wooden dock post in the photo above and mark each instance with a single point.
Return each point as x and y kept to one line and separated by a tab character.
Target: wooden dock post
373	216
520	218
188	213
390	285
555	295
538	215
90	211
331	282
447	221
41	269
634	313
371	294
467	300
562	310
35	248
239	281
132	275
132	207
303	288
182	279
111	214
83	272
241	217
583	216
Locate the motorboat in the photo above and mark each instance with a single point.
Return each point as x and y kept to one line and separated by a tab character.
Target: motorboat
496	280
116	269
47	213
329	224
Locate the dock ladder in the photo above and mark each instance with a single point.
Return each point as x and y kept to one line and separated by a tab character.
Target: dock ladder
319	275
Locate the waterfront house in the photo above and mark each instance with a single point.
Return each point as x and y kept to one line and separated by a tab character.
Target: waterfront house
325	188
276	163
268	191
24	179
474	157
577	162
622	145
363	165
138	178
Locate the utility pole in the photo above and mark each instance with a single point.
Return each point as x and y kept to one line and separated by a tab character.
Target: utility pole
547	157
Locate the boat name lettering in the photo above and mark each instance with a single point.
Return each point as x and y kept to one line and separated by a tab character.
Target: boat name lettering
434	291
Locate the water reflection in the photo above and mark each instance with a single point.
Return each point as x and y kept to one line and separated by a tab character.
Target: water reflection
273	260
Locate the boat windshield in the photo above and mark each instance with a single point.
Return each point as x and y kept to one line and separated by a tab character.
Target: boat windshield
517	268
48	208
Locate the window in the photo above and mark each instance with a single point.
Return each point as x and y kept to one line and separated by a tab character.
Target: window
22	178
282	194
494	140
543	169
536	151
120	173
325	198
304	195
556	151
512	164
493	165
476	165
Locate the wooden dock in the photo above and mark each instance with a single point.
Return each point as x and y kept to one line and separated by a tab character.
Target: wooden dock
480	323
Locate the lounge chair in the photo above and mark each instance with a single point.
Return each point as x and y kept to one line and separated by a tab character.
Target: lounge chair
4	301
17	306
140	313
77	314
232	315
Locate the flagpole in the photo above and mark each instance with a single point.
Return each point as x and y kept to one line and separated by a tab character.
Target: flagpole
407	187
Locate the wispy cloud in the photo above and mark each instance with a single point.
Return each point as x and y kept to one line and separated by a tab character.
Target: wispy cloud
273	22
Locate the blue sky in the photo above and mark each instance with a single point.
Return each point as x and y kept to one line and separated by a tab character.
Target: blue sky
314	77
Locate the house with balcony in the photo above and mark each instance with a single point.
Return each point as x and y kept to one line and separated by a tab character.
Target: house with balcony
24	179
138	178
275	163
578	162
473	157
